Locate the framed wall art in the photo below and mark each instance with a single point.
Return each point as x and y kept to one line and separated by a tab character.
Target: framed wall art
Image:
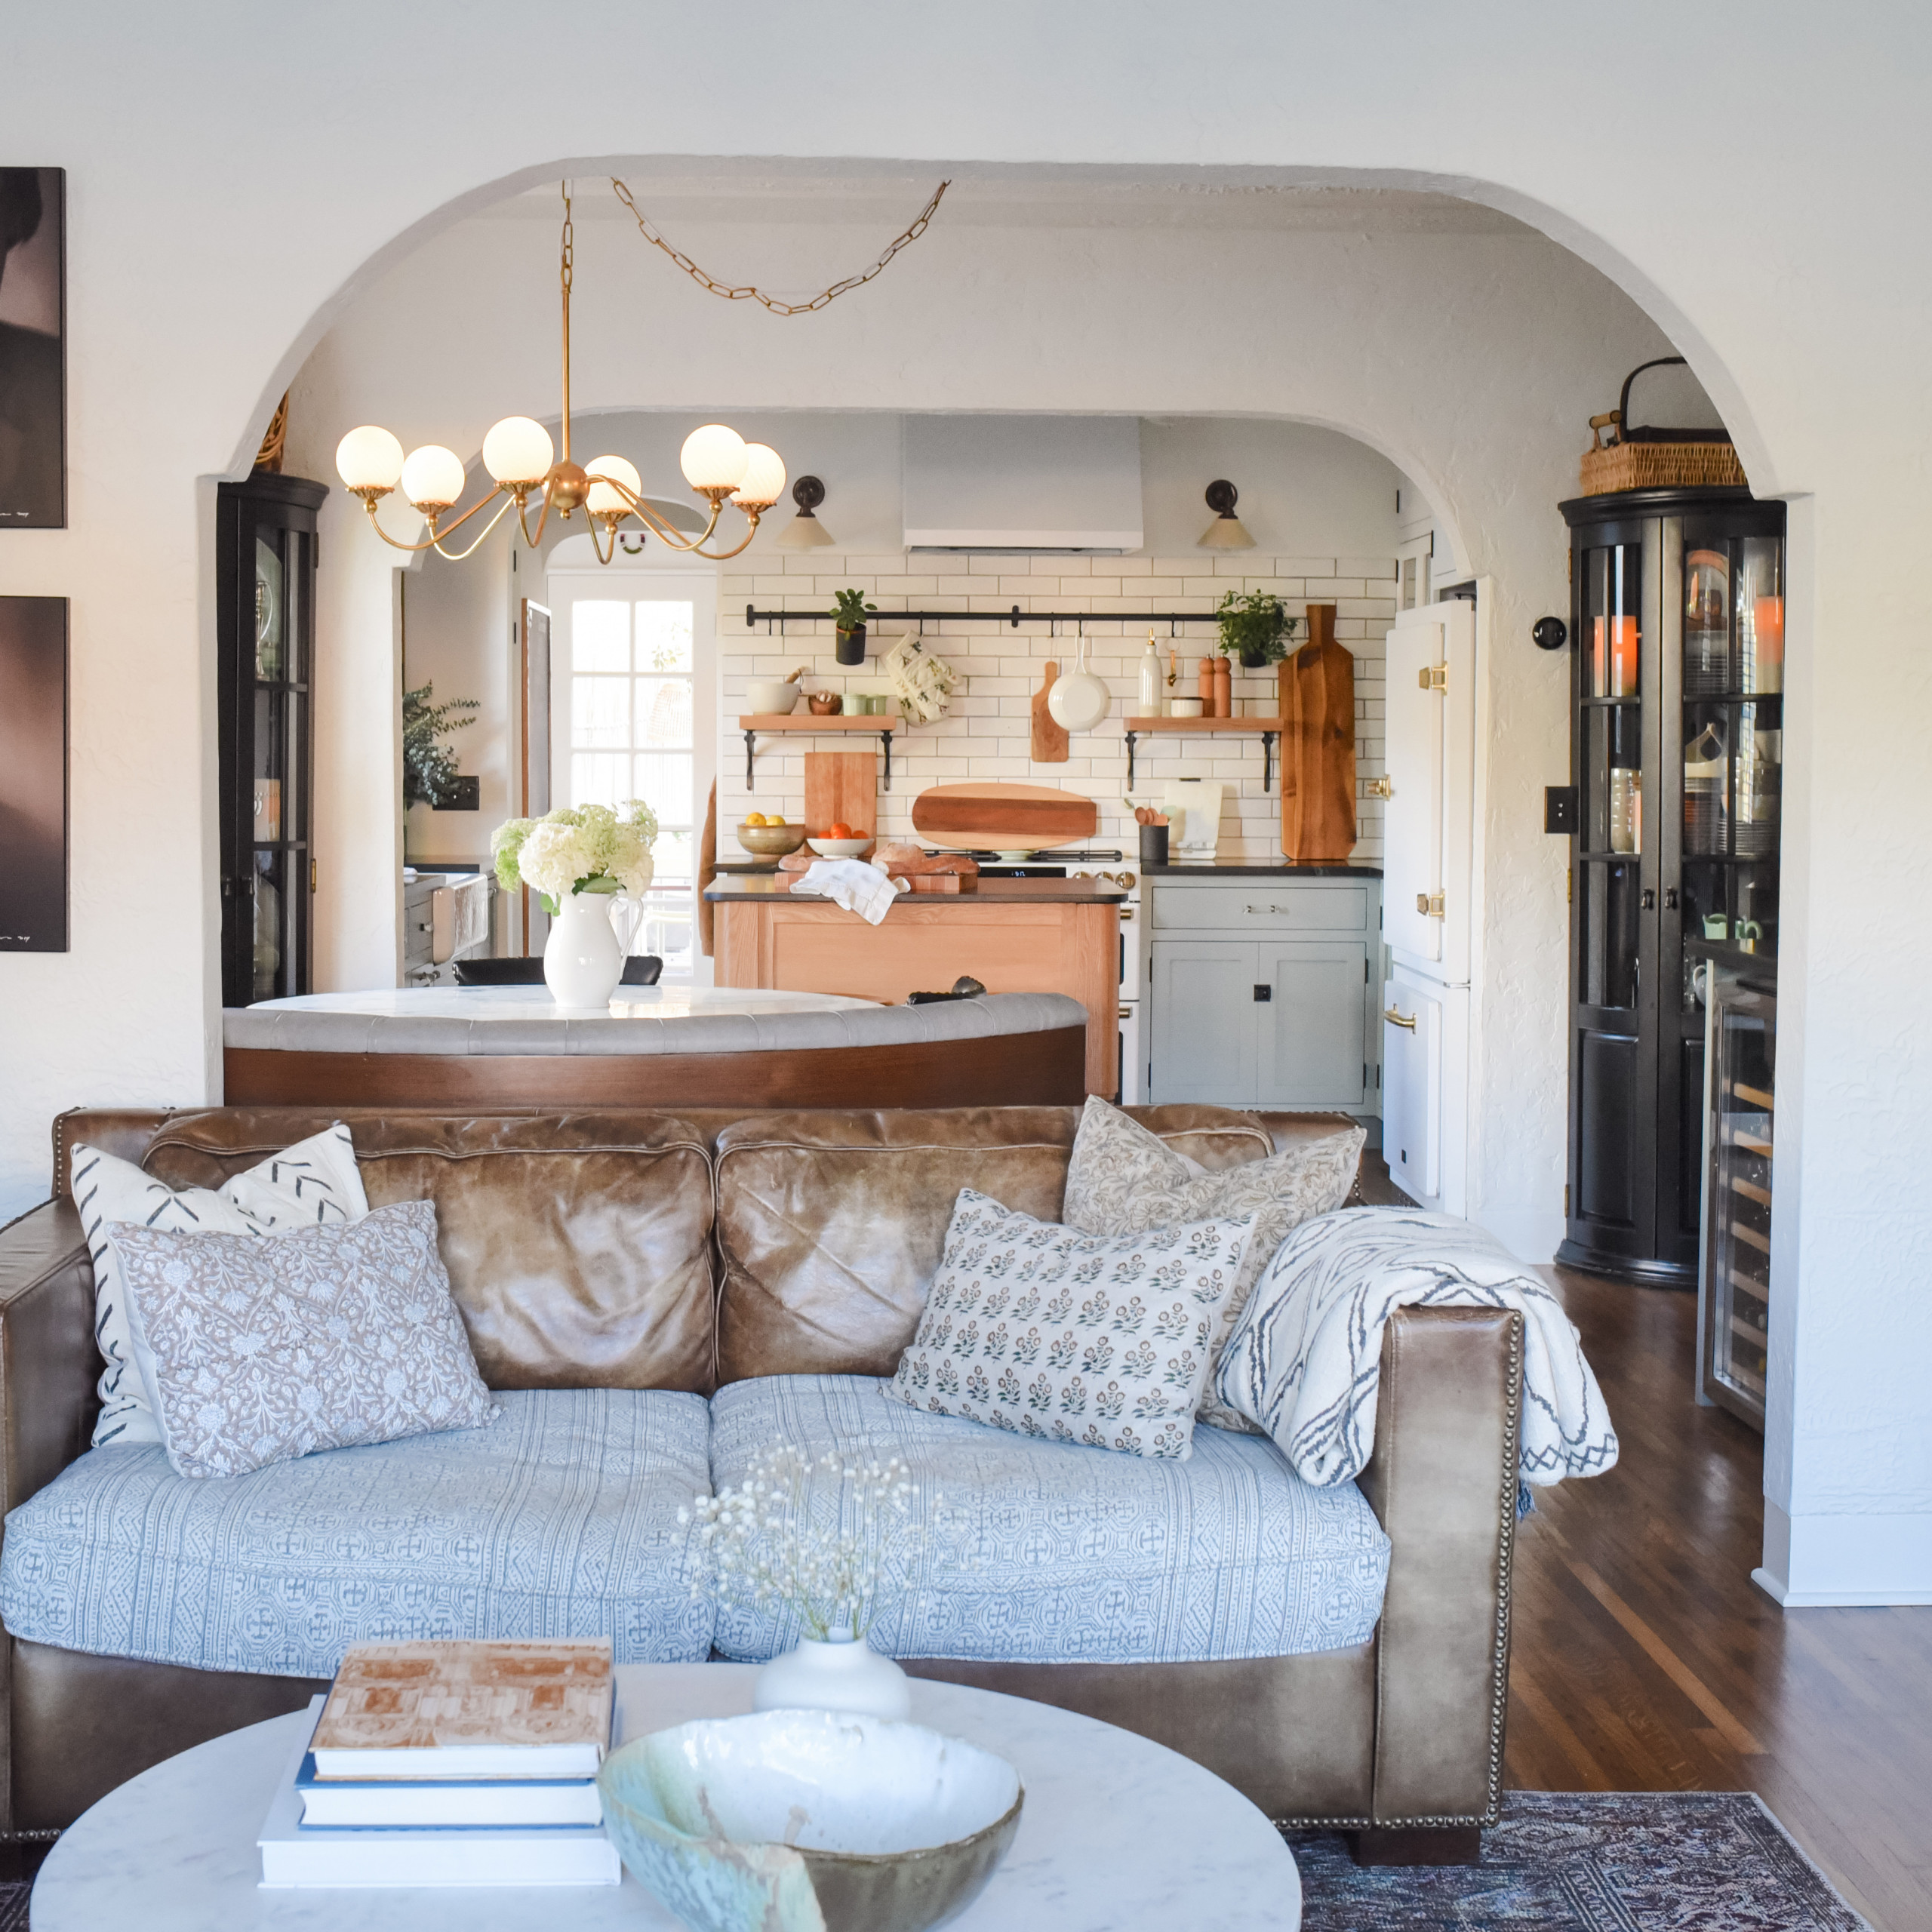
33	775
33	411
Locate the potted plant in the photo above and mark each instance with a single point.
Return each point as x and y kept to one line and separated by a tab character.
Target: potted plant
1254	627
848	613
430	769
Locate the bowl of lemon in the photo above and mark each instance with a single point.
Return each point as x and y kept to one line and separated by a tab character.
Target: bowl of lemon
766	836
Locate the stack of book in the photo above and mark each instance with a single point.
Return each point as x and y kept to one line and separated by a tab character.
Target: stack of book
449	1764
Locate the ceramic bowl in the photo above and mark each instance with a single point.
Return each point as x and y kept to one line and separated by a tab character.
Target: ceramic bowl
770	841
767	697
793	1820
841	848
824	704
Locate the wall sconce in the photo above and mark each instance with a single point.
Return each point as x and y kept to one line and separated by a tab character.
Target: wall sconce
804	532
1226	532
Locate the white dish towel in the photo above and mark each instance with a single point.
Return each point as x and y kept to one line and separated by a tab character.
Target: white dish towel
853	883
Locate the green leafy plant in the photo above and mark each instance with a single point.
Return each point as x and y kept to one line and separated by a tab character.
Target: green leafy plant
1255	627
849	608
429	770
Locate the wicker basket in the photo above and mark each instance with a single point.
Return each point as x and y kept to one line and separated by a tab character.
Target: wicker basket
1660	466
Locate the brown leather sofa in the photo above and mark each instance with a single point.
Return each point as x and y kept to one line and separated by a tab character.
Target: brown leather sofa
650	1250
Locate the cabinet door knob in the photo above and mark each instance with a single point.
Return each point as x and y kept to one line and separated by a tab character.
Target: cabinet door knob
1394	1019
1264	993
1649	900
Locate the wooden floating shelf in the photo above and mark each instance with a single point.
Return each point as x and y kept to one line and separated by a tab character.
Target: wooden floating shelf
1266	729
1259	727
880	726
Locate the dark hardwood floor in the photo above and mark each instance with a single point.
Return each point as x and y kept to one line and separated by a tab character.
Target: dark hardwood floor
1645	1659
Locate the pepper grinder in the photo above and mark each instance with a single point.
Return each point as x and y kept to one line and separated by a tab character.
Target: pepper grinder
1224	701
1204	684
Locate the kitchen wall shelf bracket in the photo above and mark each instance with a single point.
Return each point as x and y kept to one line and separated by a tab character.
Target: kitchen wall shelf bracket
881	727
1266	729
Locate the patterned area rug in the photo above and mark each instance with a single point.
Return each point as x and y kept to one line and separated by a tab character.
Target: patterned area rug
1618	1862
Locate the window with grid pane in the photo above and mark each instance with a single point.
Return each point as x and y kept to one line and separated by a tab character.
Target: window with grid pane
631	672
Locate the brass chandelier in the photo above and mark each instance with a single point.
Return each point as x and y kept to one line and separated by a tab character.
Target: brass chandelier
719	465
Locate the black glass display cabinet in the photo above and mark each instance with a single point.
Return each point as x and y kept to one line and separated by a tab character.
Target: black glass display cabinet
264	618
1677	755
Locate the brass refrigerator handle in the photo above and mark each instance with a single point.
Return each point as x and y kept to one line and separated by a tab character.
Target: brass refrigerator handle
1394	1019
1380	788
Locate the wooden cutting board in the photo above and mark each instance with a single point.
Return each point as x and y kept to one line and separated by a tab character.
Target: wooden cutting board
1317	685
841	788
1003	818
1049	745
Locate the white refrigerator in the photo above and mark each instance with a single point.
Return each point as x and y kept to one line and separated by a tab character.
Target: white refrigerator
1429	875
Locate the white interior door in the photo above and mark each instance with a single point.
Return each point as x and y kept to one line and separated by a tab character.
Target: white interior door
1427	826
633	715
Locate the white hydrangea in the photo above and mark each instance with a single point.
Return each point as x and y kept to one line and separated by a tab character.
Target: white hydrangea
577	848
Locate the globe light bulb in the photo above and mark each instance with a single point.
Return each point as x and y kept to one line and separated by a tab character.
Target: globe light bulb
603	500
433	477
369	459
714	458
764	481
518	451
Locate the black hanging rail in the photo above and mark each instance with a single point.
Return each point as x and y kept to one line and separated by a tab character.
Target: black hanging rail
1015	617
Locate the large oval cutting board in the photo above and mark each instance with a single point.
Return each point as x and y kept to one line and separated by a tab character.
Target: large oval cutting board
1003	818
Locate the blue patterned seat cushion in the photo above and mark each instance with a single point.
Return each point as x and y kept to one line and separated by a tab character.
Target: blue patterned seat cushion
1047	1552
558	1519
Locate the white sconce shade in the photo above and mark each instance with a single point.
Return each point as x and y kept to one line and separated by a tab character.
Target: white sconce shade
1227	532
804	532
518	451
603	500
714	458
433	477
369	459
764	479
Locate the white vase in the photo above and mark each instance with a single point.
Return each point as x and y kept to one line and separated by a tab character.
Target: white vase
583	962
849	1676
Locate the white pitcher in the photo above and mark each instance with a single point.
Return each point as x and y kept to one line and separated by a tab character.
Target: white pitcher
583	962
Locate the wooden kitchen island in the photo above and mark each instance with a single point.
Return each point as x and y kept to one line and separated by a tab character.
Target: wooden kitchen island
1013	935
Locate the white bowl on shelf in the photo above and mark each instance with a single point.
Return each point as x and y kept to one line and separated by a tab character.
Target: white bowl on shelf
842	848
771	696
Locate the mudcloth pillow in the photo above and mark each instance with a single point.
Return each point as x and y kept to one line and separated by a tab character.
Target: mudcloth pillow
1093	1339
313	1184
261	1351
1122	1177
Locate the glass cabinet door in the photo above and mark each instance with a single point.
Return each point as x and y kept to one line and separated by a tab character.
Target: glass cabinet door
1611	780
1734	1315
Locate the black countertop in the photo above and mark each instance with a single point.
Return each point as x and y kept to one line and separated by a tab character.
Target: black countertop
1253	869
1081	891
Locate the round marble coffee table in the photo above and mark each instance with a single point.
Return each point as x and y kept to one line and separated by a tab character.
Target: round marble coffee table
1119	1834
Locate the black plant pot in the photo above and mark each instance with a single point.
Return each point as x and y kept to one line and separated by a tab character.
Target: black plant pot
852	645
1254	660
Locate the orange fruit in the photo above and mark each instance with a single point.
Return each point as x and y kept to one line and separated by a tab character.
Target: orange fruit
839	829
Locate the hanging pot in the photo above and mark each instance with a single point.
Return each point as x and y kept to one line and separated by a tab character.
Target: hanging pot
1078	703
851	647
583	962
1254	660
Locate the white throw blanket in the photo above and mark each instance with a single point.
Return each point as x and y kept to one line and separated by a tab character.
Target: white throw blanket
853	883
1305	1360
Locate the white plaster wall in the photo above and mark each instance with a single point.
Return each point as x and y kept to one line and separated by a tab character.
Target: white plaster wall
1766	219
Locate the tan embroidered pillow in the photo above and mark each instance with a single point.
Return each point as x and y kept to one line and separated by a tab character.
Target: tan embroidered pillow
1122	1177
1092	1338
260	1350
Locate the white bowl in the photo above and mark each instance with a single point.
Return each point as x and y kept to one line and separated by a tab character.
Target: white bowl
841	848
767	696
729	1820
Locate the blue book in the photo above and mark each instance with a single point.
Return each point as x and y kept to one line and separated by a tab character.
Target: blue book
456	1801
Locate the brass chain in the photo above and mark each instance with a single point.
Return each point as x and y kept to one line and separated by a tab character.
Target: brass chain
569	251
777	308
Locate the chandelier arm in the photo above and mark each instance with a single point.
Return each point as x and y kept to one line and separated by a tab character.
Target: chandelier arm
668	533
457	556
429	542
531	540
596	550
720	556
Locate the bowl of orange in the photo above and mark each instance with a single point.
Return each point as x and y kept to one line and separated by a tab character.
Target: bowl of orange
839	840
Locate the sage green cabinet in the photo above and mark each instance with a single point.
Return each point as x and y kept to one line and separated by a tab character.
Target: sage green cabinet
1242	1017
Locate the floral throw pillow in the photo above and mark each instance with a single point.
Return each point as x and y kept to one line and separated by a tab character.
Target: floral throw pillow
261	1351
1096	1339
1122	1176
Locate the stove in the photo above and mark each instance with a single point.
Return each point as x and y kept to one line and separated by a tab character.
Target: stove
1053	864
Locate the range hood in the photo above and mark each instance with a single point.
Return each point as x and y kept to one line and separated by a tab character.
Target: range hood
1023	484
